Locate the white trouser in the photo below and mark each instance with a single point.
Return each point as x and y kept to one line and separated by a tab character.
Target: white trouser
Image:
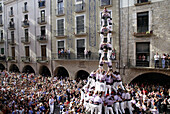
82	95
114	87
51	109
87	106
122	107
96	108
117	108
129	106
119	84
108	109
92	82
108	87
101	86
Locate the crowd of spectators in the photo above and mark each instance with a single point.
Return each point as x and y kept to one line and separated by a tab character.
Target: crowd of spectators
22	93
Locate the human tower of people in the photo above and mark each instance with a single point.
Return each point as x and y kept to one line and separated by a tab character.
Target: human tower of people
102	87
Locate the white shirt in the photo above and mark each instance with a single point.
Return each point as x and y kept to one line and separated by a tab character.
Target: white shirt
127	96
156	57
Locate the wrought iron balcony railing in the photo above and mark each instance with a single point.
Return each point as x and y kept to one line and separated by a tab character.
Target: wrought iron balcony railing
42	38
26	59
11	41
42	59
82	30
11	13
25	40
60	11
2	58
80	7
60	33
105	2
141	2
12	58
11	26
2	40
25	23
42	20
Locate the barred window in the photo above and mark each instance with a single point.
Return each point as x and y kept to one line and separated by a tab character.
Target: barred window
60	27
80	24
142	22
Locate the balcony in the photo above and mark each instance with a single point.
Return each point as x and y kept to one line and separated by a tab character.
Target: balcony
26	59
12	59
42	20
141	2
74	56
81	31
24	9
42	38
25	40
60	33
2	58
42	59
105	3
11	13
41	4
60	11
148	64
1	9
143	34
2	40
11	42
1	23
80	7
11	26
25	24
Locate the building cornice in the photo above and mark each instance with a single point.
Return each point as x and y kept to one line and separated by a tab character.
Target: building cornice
8	1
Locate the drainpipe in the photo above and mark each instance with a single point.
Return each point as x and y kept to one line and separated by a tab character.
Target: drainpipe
51	18
35	34
128	37
119	33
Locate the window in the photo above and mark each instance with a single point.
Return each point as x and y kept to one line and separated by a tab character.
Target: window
60	27
13	52
80	24
142	54
1	20
2	34
25	6
80	48
60	7
27	52
0	7
60	46
43	52
43	31
26	35
142	1
79	0
41	3
12	37
105	2
2	50
43	16
142	22
11	11
11	23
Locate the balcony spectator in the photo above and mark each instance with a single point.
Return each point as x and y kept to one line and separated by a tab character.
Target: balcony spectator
156	59
68	53
26	22
85	53
163	60
11	23
89	54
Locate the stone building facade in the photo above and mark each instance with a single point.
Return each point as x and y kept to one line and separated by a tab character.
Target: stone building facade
144	32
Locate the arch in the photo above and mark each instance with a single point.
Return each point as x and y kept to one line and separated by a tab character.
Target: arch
14	68
61	72
82	74
28	69
2	67
44	71
152	78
